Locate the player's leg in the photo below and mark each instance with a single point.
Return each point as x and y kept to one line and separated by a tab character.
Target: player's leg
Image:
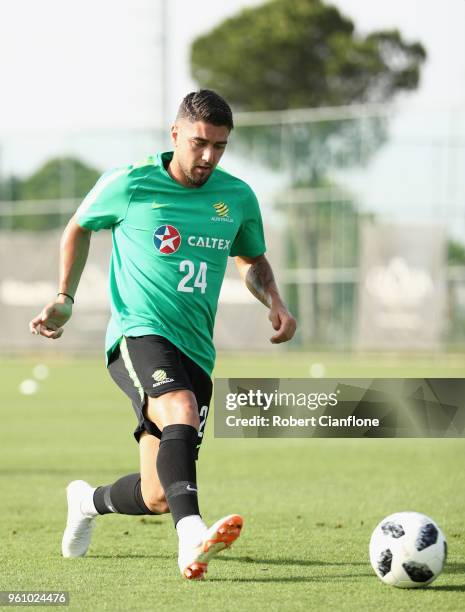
141	492
175	414
124	496
152	491
225	531
178	416
135	494
134	360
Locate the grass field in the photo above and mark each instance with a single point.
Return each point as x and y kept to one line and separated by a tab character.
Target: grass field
309	505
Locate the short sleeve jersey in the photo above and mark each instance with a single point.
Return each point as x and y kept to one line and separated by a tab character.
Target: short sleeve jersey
170	249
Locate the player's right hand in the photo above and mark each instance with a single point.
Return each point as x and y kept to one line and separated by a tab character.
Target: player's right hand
50	321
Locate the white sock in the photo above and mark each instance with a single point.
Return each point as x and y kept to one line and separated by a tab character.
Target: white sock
191	530
87	504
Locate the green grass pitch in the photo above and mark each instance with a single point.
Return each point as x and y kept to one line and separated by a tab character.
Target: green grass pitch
309	505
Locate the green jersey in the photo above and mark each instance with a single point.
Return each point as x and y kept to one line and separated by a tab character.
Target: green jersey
170	249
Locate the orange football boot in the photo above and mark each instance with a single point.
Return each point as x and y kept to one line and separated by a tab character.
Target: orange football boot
220	536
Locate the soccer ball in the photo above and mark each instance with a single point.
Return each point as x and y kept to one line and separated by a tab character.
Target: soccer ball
407	550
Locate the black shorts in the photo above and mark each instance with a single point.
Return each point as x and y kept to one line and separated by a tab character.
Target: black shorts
151	366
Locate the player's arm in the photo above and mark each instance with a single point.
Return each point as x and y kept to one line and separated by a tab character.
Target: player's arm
74	248
259	279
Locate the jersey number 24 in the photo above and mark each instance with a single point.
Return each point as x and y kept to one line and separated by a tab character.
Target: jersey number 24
200	281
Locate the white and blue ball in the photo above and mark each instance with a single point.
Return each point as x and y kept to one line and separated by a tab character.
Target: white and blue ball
408	550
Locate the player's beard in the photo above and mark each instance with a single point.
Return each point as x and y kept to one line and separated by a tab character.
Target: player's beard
192	179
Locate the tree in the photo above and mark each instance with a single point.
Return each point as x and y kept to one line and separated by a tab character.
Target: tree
65	178
288	54
455	253
58	178
302	53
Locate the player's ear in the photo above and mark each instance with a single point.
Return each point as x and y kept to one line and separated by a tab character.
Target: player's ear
174	134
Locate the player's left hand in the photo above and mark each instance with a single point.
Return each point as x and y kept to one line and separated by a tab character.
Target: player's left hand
283	322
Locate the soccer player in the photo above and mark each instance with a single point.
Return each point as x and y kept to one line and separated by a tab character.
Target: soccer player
175	219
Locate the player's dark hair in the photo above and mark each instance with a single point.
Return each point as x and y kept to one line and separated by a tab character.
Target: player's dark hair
206	105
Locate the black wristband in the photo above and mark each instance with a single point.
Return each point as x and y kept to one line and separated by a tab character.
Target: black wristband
67	295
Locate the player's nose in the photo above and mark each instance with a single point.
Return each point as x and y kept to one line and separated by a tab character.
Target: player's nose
208	155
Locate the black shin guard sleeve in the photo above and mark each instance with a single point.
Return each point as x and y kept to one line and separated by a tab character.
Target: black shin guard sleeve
124	497
176	469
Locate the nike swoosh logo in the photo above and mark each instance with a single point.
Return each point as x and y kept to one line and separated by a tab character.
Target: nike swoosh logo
189	488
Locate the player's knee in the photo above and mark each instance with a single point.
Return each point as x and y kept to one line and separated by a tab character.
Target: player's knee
188	413
174	408
156	502
184	410
159	506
